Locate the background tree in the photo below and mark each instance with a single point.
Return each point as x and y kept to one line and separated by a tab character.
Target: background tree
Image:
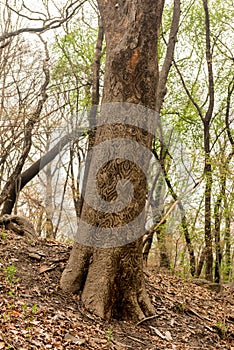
183	106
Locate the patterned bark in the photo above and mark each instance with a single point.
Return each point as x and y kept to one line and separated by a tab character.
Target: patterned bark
111	280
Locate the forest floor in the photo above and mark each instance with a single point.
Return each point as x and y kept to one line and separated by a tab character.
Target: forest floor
36	314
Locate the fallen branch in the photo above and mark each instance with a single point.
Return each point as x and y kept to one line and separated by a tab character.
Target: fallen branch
147	319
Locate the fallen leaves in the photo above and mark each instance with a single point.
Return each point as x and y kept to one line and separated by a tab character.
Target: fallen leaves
36	315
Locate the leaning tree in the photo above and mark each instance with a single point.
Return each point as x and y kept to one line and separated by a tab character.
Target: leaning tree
105	264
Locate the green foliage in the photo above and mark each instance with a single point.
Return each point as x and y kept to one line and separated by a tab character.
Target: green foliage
10	272
24	308
109	335
34	309
11	293
4	235
183	127
222	329
74	56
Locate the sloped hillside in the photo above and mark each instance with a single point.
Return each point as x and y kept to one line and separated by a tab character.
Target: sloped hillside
35	314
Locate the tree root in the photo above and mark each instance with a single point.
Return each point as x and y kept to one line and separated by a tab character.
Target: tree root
109	287
19	225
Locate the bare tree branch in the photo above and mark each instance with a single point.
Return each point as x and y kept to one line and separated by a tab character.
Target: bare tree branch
209	64
52	23
161	91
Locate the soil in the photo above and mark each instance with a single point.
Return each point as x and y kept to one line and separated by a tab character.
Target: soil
36	314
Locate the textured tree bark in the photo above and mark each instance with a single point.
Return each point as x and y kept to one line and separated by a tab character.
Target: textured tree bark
111	280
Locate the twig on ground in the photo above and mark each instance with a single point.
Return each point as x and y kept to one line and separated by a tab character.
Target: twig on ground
147	318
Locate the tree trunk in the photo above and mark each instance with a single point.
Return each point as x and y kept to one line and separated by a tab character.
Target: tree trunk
49	227
208	165
227	240
201	262
109	275
184	224
156	207
217	222
228	208
161	93
208	189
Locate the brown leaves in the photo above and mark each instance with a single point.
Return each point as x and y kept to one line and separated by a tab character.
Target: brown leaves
35	314
196	315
